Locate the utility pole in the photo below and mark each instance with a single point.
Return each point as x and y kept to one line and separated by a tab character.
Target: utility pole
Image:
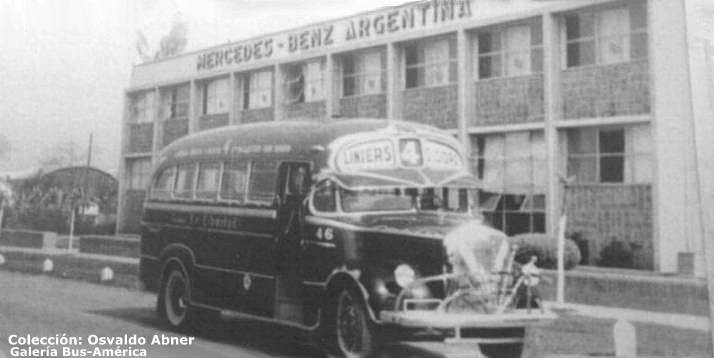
83	193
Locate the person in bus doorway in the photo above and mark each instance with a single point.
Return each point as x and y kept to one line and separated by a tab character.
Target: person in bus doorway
290	235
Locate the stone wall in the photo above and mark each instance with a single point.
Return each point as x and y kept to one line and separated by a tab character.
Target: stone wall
208	121
174	129
305	110
141	138
436	106
110	245
508	100
605	91
256	115
600	213
133	208
369	106
28	239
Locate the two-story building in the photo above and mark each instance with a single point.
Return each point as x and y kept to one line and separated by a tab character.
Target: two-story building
614	93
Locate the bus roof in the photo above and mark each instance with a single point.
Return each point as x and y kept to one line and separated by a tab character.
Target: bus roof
315	141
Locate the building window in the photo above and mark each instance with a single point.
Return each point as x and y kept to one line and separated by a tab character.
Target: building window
512	168
430	63
610	155
362	74
138	173
305	82
510	51
142	107
216	96
258	90
175	102
606	36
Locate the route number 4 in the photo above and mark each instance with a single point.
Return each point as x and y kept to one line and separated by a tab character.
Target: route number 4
410	153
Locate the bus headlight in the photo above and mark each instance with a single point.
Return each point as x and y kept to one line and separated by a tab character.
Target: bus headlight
404	275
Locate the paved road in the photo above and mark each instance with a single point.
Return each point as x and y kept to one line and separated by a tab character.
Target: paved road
47	306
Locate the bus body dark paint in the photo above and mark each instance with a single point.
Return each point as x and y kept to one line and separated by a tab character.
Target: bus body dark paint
279	258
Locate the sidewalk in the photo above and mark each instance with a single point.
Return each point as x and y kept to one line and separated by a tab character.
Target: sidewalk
73	253
682	321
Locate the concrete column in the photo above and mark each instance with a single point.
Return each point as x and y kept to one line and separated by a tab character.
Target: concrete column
278	93
234	110
331	93
676	225
465	87
193	107
121	174
394	82
157	139
553	113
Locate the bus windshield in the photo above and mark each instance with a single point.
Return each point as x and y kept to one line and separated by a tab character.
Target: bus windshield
375	200
404	199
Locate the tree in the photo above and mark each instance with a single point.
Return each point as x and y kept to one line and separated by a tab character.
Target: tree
64	154
171	44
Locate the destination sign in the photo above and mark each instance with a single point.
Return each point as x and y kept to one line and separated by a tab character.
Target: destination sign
379	154
371	155
441	157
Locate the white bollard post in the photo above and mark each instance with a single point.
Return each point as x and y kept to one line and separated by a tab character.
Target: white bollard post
625	338
106	274
48	265
2	260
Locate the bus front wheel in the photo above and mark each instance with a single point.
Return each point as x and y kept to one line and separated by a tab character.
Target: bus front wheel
353	329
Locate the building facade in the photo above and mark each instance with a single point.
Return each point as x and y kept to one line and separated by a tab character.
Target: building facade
601	92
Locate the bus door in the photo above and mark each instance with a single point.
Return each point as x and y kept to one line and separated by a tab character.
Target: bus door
293	188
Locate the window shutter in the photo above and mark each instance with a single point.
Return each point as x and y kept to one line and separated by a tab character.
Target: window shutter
613	33
314	84
518	56
436	55
372	72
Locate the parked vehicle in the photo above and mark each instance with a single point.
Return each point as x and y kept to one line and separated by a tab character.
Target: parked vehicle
353	230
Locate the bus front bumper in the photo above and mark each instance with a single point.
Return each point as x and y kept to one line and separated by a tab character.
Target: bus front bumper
442	320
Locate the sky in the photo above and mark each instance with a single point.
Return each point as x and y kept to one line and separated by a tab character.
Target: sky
65	64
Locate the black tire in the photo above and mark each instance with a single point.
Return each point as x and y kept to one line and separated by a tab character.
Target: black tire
353	333
173	302
504	350
509	350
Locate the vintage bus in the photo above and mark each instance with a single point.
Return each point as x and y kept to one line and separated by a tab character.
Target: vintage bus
348	229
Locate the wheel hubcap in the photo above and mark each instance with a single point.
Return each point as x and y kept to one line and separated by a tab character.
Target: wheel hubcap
349	325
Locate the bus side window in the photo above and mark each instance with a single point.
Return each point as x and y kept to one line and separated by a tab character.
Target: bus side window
164	184
324	199
235	181
262	182
184	180
207	183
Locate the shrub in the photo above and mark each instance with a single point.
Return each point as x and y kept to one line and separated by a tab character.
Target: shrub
545	248
617	254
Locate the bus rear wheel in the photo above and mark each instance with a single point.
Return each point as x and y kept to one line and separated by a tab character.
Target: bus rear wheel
173	304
